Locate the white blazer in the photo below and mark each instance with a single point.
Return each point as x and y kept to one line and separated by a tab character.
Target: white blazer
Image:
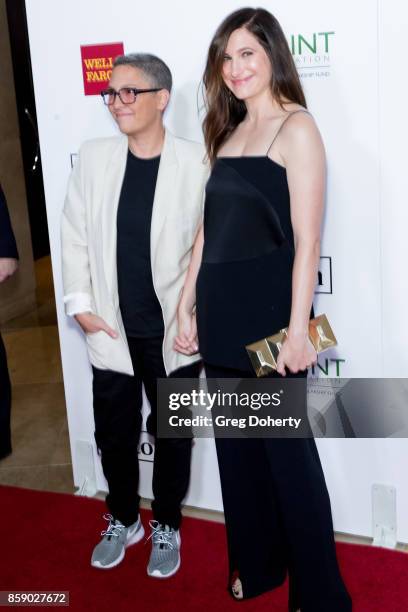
88	235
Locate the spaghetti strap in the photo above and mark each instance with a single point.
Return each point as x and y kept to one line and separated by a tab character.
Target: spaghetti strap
300	110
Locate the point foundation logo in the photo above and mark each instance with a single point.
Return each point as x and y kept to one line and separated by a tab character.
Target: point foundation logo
97	62
311	53
325	276
327	367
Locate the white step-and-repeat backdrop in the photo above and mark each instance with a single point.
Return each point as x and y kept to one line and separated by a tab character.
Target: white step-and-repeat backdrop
350	58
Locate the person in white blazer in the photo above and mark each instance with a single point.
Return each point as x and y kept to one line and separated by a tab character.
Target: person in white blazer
133	207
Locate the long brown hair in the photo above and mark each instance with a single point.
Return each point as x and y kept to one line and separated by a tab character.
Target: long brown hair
224	110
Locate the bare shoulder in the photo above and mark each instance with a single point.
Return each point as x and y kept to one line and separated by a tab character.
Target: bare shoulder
300	126
300	139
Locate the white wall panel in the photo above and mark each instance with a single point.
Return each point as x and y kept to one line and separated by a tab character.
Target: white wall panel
355	86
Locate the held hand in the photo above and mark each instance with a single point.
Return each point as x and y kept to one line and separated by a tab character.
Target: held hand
297	354
7	268
91	324
186	340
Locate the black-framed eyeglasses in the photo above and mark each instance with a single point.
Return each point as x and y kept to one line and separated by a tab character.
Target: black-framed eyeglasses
127	95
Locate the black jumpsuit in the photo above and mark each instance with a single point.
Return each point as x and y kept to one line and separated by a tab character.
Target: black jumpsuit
276	504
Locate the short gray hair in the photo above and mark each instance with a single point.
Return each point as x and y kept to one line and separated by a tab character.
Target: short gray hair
153	67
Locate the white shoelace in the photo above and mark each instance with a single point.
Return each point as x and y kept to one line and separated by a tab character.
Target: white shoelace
160	535
114	529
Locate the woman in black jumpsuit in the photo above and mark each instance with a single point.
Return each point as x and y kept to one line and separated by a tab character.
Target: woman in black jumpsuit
276	504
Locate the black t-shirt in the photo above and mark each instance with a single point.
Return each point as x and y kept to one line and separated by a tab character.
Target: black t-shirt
140	308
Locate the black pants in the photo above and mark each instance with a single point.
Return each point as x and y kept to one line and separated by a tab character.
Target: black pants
5	404
278	517
118	421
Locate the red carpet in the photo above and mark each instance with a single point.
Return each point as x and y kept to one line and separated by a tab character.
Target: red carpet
46	541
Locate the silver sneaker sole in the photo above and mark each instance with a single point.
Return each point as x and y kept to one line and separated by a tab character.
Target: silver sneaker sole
158	574
134	539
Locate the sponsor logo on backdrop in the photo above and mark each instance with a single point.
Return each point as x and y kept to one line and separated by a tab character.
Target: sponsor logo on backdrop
312	53
331	367
97	62
146	447
324	276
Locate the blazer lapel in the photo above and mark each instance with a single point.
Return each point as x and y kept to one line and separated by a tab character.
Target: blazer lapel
166	178
112	186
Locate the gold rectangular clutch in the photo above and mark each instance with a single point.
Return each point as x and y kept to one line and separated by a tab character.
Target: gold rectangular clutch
264	353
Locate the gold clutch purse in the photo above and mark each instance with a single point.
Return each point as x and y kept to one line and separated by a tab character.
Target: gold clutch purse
264	353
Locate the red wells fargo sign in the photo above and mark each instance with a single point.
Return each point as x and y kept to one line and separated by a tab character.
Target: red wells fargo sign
97	61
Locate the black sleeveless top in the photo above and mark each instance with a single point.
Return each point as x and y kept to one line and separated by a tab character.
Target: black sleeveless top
244	286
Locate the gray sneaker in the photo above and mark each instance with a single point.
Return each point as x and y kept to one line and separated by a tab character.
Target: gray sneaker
165	556
111	549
